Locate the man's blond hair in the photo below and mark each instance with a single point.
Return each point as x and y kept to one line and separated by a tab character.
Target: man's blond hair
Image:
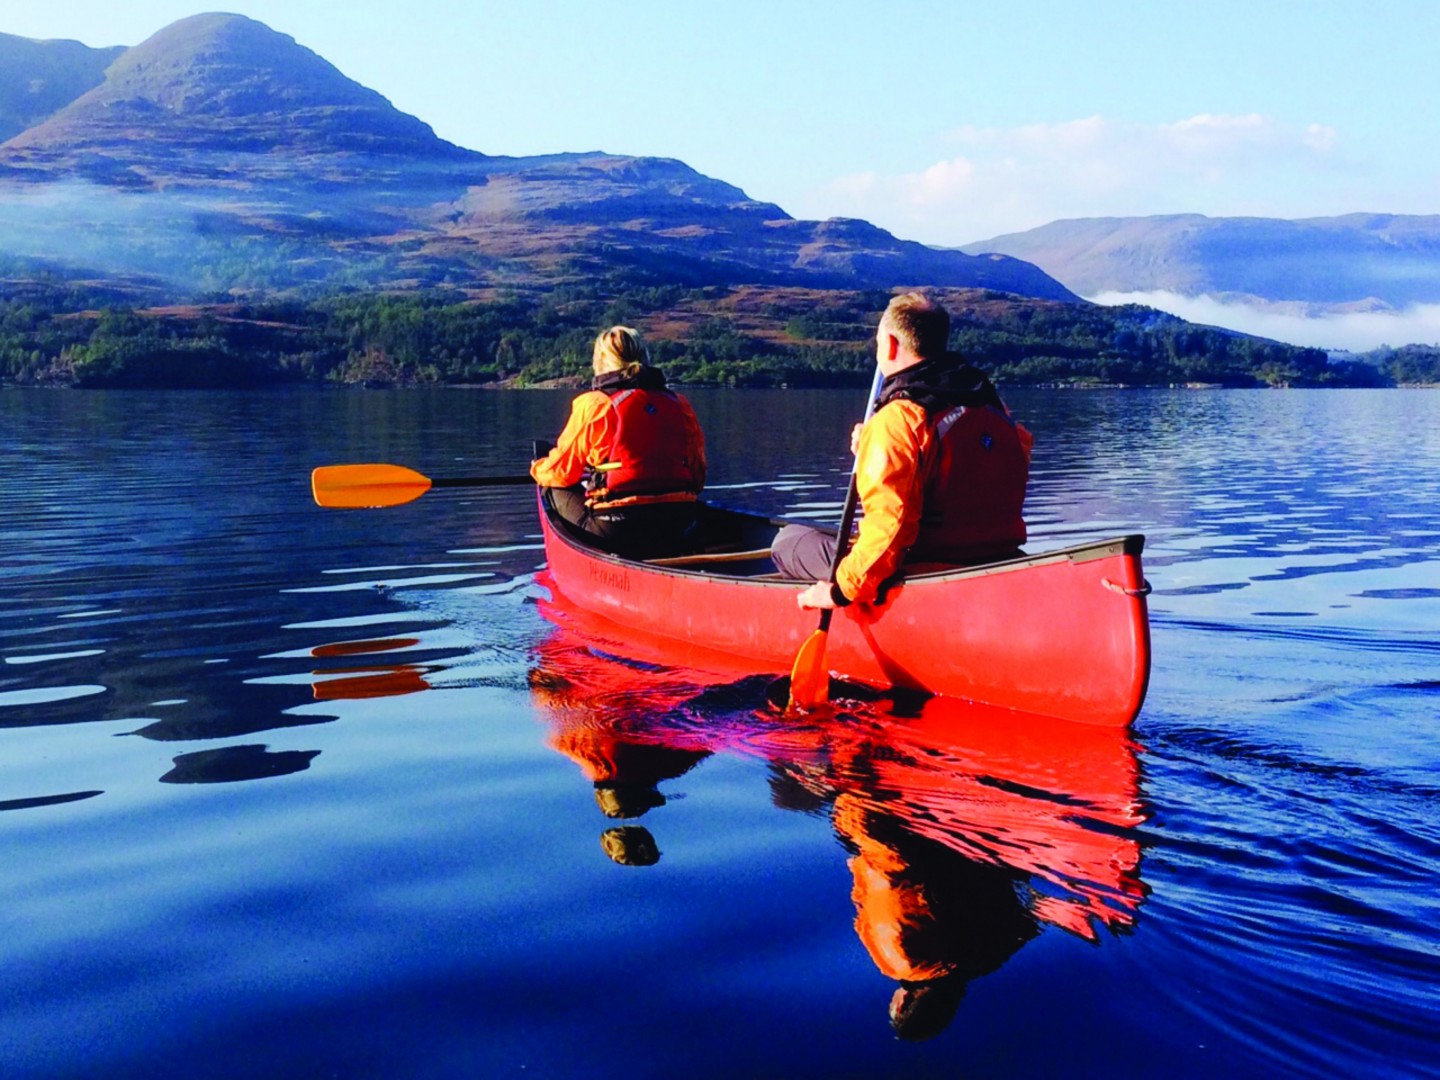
918	323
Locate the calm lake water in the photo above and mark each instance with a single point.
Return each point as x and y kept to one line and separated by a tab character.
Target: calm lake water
288	792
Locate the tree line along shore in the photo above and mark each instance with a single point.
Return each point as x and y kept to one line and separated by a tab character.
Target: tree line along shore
61	333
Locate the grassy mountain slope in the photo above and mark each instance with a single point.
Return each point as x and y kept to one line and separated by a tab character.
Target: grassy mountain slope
38	78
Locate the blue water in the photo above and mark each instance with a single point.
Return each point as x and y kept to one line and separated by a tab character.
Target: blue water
289	792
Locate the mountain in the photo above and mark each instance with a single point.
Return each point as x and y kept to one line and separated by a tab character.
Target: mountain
37	78
227	83
220	154
659	219
1365	261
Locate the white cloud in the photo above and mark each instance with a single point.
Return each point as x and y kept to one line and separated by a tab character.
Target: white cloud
1003	180
1357	331
1321	138
938	183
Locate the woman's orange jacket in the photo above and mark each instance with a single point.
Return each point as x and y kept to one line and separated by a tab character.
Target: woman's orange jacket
588	442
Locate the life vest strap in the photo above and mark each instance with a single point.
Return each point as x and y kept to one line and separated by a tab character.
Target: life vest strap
597	501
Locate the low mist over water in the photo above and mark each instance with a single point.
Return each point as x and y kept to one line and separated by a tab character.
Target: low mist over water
1297	324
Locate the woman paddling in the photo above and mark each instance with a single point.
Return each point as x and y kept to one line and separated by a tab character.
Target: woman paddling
638	448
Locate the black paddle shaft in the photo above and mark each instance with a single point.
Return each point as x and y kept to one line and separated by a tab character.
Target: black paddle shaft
842	542
852	500
480	481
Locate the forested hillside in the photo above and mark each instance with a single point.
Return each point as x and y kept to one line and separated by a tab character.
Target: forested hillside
55	333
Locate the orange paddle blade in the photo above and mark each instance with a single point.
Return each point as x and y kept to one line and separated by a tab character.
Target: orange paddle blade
366	486
809	679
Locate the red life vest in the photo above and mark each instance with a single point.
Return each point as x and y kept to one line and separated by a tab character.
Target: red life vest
975	487
652	450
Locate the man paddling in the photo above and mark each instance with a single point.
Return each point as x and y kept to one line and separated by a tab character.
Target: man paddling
940	468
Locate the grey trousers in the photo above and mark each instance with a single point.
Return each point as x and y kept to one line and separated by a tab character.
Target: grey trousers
803	552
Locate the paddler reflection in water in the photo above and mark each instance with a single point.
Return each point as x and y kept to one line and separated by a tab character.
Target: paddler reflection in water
614	731
930	918
637	446
968	841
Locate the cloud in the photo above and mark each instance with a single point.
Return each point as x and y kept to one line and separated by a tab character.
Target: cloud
1356	331
1320	138
1000	180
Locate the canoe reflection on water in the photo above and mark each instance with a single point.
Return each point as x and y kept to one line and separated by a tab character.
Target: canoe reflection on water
969	829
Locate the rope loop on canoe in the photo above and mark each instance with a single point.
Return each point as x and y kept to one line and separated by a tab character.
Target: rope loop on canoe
1144	589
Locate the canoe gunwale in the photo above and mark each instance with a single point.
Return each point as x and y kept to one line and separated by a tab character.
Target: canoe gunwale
1126	544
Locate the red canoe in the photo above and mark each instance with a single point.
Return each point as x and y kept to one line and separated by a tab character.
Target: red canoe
1063	634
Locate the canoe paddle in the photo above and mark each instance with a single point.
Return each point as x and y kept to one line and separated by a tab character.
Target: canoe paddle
809	678
369	486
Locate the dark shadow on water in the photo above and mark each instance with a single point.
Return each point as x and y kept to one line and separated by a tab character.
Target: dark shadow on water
189	729
230	764
46	800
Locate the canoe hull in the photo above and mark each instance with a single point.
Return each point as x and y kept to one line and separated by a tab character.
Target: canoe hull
1062	634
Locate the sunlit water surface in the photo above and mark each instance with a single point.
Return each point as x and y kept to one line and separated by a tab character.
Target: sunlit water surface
289	792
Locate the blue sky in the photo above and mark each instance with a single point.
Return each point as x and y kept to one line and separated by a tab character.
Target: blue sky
943	122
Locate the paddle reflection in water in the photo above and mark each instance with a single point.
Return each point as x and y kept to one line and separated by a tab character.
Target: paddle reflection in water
268	705
271	708
360	683
369	681
969	829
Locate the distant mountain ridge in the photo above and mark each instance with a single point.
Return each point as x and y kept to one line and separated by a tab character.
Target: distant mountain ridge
38	78
253	139
1356	261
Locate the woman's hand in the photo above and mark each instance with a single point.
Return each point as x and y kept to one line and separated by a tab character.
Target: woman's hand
855	440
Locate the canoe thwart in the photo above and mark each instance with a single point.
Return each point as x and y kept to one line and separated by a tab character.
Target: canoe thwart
711	557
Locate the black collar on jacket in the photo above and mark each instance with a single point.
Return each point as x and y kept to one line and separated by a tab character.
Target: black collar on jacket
646	378
942	382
